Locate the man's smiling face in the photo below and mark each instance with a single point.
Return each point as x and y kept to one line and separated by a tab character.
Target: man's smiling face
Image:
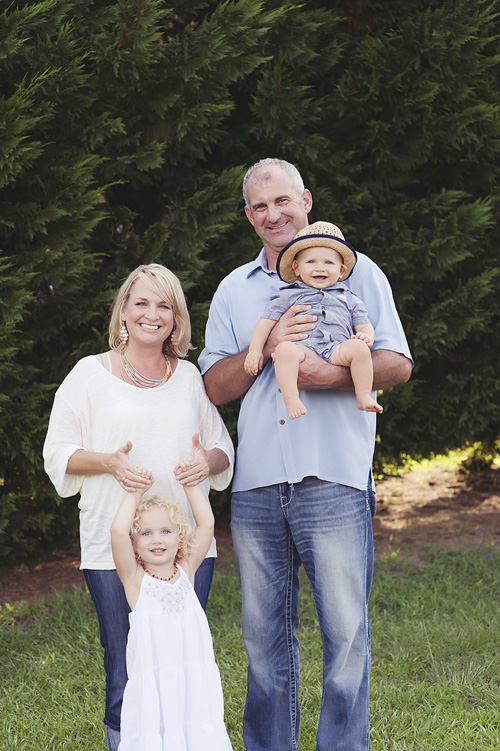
277	210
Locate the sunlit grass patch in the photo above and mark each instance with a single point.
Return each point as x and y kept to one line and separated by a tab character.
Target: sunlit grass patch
435	674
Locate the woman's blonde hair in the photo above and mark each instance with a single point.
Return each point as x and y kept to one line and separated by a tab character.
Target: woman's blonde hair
177	517
167	286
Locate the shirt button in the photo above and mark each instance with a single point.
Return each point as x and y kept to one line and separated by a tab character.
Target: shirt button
282	422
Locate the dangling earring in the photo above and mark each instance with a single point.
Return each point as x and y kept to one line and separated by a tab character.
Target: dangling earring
172	338
124	334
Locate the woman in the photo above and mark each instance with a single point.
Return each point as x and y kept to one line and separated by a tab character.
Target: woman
137	405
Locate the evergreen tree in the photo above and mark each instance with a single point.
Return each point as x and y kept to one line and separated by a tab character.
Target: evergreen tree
127	128
391	112
110	110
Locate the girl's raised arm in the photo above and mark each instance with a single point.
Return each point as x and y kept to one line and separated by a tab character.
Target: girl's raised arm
205	522
121	544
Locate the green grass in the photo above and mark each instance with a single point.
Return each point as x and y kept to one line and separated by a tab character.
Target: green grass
435	676
471	456
436	656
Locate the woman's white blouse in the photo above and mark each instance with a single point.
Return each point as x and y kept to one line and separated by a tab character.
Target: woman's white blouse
95	411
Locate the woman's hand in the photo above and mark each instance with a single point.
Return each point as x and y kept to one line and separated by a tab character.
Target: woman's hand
194	470
147	478
130	477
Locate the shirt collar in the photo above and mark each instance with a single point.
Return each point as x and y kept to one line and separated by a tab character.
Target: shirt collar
300	285
260	263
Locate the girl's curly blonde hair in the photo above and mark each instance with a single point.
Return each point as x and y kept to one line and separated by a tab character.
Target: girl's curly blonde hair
177	516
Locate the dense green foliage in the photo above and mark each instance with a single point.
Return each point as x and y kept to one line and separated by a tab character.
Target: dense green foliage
435	674
110	110
126	128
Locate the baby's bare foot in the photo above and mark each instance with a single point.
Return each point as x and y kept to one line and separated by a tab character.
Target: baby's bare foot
295	408
367	404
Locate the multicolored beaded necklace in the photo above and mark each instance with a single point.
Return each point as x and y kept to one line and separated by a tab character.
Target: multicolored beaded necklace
141	380
147	571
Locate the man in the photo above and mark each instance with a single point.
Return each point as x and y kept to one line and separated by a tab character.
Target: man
302	488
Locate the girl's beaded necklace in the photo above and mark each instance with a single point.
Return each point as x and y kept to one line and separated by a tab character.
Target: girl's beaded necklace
147	571
141	380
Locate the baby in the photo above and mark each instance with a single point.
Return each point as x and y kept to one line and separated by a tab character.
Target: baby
315	263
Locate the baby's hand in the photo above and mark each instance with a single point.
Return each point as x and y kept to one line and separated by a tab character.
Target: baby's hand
364	338
253	362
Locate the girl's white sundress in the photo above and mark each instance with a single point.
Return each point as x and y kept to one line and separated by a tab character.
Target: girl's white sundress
173	699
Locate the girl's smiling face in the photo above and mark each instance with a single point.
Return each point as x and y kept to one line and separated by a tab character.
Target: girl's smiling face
157	541
318	267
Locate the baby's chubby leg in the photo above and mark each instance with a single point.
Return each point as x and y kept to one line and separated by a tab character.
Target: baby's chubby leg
355	354
287	358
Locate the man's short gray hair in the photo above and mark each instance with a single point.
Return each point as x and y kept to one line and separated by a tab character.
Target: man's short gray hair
264	166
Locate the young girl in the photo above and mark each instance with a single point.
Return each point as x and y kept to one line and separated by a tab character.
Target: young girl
173	698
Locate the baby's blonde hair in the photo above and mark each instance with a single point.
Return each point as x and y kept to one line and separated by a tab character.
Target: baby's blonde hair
177	517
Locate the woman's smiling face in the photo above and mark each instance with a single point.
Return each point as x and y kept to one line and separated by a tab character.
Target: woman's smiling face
149	318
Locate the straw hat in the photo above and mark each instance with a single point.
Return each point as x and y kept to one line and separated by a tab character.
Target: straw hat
314	235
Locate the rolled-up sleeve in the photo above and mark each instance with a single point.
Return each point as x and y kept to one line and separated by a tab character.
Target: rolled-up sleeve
64	437
373	287
214	434
220	340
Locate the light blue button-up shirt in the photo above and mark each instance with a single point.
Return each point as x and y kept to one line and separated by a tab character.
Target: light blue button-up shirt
334	441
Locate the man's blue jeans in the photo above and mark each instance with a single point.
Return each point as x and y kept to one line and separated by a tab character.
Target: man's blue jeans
328	528
112	611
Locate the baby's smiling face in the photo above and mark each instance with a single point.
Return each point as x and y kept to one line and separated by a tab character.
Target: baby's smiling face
319	266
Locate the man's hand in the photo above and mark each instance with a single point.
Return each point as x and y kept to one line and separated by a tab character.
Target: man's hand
293	326
316	373
389	369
